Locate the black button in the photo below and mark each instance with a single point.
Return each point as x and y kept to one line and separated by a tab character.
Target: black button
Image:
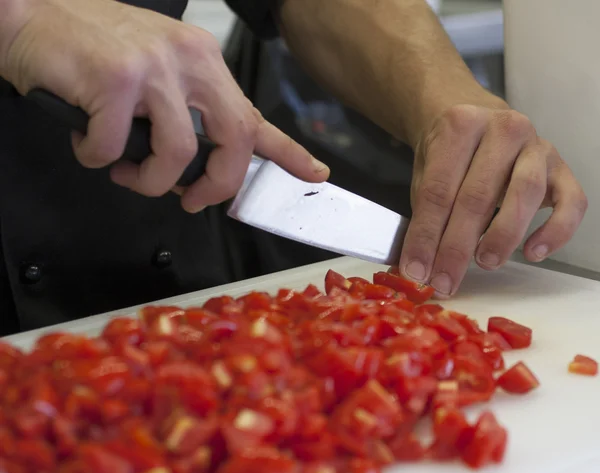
31	273
162	259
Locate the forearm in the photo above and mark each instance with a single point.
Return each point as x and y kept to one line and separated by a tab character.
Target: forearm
391	60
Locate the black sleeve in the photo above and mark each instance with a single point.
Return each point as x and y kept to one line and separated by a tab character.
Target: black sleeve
258	16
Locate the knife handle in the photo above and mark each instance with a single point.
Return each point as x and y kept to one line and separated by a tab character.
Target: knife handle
138	144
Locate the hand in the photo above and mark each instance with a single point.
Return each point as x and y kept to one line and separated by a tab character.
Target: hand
116	62
471	160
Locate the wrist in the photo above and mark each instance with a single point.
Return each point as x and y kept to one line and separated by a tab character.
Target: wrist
442	97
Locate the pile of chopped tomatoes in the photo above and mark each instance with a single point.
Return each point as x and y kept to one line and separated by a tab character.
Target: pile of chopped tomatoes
300	382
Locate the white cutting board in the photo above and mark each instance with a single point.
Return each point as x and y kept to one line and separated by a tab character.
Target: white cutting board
555	429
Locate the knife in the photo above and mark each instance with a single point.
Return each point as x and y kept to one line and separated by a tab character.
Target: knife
271	199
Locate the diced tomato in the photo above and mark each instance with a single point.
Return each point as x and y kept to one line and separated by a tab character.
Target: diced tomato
518	379
416	292
449	425
333	279
296	382
263	460
485	443
584	365
98	459
407	448
124	330
517	335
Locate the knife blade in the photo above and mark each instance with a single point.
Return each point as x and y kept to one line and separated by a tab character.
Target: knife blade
271	199
321	215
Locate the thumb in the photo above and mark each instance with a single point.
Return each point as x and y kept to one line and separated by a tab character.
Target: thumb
274	145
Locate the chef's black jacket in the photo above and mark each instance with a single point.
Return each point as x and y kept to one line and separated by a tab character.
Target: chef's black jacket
74	244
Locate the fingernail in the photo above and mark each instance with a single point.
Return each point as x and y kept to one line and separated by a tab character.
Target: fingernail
540	252
491	260
442	284
318	166
415	270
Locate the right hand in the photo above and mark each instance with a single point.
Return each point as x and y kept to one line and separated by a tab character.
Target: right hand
117	61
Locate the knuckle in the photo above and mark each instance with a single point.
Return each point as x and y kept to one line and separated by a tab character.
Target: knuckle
423	236
514	125
461	119
247	129
476	198
185	149
436	192
504	236
122	74
103	154
532	183
456	253
190	40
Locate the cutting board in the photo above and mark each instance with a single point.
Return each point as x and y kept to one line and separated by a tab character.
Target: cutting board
555	429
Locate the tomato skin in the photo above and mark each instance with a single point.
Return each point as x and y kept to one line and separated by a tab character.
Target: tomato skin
517	335
584	365
417	293
518	379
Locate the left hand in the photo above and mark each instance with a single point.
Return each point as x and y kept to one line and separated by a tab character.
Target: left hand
471	160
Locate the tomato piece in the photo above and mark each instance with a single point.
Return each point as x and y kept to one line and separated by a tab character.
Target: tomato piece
485	443
584	365
474	375
448	328
125	330
471	326
264	460
407	448
150	314
416	292
184	384
37	454
9	355
185	434
517	335
311	291
334	279
518	379
362	465
491	346
415	393
247	430
449	425
369	412
97	459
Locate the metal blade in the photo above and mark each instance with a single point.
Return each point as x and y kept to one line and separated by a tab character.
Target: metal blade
320	215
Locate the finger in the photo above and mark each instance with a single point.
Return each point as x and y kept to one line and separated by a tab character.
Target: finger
570	205
474	207
229	122
173	141
524	195
447	159
273	144
107	132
